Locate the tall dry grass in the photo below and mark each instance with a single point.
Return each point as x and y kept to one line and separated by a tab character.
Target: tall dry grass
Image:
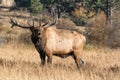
21	62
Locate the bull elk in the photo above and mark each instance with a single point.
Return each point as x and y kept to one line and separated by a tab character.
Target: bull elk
50	41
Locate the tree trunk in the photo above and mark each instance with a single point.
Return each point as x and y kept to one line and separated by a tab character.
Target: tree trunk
108	14
59	13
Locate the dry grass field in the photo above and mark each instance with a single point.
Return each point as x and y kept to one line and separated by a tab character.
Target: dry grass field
21	62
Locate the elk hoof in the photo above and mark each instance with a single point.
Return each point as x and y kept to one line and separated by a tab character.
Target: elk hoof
81	62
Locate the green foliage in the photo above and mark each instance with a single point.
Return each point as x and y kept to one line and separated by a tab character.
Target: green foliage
95	5
23	3
115	3
36	6
61	6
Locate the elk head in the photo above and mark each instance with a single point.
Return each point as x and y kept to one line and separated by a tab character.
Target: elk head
36	30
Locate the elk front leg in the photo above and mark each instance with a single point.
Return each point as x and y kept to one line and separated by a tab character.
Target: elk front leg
42	56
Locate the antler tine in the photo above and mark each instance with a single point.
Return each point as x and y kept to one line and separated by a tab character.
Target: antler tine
13	22
41	17
54	15
44	24
28	22
39	21
16	22
54	20
33	22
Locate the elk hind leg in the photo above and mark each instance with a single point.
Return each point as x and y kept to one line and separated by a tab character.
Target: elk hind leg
79	62
49	60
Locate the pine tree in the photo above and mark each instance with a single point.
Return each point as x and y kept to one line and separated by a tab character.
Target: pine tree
36	6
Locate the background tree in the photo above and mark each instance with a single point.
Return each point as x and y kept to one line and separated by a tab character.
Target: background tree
102	5
60	6
36	6
23	3
66	8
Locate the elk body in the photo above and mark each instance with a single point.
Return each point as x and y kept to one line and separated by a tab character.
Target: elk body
51	41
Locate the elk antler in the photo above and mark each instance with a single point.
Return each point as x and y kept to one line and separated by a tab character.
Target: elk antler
33	22
54	15
14	22
40	24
